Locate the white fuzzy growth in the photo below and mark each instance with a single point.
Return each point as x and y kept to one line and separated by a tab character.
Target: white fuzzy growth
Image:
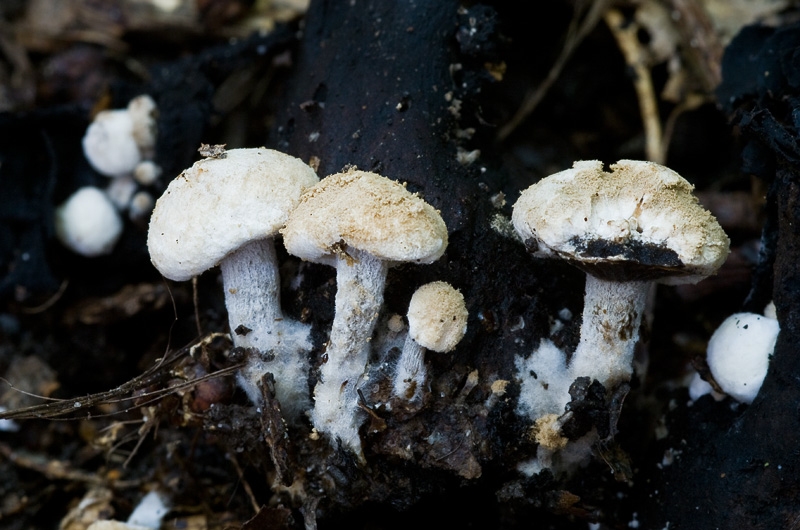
739	351
288	364
88	223
252	297
410	376
545	381
575	455
360	280
612	314
609	332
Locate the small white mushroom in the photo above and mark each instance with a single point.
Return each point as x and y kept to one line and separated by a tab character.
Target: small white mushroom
226	211
121	190
109	144
88	223
117	140
639	223
141	206
146	172
361	223
437	320
738	354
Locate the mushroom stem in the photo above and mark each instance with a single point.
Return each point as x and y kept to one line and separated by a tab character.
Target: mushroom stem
252	294
360	279
410	375
612	313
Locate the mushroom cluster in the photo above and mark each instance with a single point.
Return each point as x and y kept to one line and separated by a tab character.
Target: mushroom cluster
118	144
362	224
227	211
627	228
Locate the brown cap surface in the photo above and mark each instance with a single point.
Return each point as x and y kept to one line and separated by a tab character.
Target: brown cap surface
639	221
220	204
367	212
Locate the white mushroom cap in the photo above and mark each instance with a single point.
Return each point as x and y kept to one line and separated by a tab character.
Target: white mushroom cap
638	222
739	351
437	316
367	212
88	223
220	204
109	144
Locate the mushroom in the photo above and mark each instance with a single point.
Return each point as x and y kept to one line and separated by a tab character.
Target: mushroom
361	223
227	211
437	320
738	354
626	228
117	140
88	223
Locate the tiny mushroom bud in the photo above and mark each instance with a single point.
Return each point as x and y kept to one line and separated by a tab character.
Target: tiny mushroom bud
738	354
121	190
146	172
361	223
437	320
141	206
639	223
88	223
226	211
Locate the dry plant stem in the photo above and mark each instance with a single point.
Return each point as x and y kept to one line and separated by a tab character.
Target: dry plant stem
410	374
703	46
360	280
612	313
250	280
636	58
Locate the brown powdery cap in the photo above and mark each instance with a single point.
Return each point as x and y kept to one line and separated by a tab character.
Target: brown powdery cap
368	212
640	221
220	204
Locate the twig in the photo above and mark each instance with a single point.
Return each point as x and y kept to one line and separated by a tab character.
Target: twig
47	304
58	470
196	307
577	31
636	59
250	495
701	42
65	409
